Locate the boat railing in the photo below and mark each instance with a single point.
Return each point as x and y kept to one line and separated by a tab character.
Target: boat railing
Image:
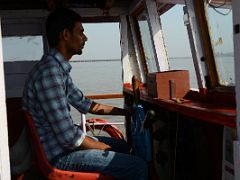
105	96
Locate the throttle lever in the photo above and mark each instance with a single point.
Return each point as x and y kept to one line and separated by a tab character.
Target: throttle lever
148	119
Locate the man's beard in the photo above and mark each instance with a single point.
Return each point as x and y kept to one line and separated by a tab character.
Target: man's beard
79	52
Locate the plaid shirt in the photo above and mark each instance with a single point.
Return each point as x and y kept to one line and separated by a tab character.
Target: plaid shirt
47	94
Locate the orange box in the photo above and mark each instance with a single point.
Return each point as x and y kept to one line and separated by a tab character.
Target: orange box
168	84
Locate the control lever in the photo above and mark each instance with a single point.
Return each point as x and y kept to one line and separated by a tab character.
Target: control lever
148	119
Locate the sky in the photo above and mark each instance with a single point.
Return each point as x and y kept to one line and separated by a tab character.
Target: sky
104	39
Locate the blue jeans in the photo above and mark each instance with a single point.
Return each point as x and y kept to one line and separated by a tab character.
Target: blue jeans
117	163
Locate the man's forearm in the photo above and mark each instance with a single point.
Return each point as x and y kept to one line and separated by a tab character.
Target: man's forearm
102	109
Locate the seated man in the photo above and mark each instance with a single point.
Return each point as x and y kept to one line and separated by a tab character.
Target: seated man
47	94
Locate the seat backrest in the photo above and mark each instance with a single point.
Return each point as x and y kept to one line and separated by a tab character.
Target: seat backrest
48	170
40	156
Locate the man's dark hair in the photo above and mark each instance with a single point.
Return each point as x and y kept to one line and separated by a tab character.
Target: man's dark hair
59	20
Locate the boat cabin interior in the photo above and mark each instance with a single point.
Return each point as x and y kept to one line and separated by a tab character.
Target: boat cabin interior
184	54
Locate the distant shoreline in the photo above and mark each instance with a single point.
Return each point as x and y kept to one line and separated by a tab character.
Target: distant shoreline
95	60
105	60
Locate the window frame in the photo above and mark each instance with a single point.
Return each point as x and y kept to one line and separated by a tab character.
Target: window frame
137	11
214	84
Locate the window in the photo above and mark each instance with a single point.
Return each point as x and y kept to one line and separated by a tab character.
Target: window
177	43
22	48
99	70
221	32
146	42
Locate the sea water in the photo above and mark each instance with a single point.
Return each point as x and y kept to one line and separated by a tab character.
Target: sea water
99	77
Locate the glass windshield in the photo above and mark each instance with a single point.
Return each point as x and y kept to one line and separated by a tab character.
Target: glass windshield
177	42
221	32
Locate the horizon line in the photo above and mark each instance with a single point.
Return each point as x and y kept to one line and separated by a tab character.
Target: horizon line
118	59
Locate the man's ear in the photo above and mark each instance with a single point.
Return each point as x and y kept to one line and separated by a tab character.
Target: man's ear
65	34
